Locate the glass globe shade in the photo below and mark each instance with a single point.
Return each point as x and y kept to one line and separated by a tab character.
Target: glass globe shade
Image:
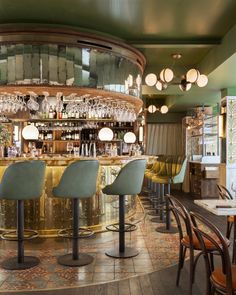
151	79
30	132
166	75
164	109
202	81
129	137
160	85
105	134
192	75
152	108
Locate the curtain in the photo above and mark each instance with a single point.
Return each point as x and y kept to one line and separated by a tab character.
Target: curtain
164	139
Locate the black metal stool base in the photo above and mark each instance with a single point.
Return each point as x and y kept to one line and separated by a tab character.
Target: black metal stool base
67	260
128	253
13	264
163	230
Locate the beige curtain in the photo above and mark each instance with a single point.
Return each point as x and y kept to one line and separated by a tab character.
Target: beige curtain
164	139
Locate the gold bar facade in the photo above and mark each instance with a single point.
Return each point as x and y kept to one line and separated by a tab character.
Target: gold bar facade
48	214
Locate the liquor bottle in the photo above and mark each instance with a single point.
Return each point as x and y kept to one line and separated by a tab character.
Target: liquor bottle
51	113
54	113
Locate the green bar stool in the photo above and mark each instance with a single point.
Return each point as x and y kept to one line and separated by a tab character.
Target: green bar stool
78	181
22	181
128	182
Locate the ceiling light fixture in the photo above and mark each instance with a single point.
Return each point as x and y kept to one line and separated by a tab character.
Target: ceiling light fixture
167	77
163	109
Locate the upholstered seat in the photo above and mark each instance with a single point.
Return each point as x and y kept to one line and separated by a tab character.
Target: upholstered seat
22	181
78	181
219	278
128	182
196	244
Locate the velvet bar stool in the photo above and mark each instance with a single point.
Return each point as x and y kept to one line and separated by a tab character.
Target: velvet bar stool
128	182
21	181
78	181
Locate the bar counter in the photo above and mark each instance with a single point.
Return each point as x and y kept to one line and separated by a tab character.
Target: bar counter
48	214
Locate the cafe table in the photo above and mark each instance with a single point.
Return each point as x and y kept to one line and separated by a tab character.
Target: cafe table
221	208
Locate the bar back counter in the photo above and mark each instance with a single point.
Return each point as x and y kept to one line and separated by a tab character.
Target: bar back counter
47	215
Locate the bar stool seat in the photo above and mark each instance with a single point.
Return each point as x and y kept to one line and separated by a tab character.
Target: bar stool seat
21	181
128	182
78	181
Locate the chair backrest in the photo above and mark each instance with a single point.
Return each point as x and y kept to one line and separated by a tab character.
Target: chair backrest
182	218
23	180
78	180
214	236
224	193
130	179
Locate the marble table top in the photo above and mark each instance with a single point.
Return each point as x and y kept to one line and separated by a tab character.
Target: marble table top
218	206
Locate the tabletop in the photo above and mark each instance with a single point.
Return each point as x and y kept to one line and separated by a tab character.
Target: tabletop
218	206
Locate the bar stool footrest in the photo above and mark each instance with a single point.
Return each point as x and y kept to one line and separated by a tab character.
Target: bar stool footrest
13	264
83	233
11	235
129	227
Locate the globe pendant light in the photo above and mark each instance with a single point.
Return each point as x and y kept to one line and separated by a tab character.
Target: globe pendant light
30	132
192	75
151	79
105	134
202	81
129	137
152	109
164	109
166	75
160	85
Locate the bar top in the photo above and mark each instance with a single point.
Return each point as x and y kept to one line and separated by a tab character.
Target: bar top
64	161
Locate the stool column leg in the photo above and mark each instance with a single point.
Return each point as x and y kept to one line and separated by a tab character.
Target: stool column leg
122	223
20	230
75	239
168	220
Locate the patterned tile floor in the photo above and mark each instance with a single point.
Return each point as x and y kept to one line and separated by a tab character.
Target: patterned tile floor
157	251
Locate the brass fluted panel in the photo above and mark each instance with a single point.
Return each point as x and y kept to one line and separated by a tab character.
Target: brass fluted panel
49	214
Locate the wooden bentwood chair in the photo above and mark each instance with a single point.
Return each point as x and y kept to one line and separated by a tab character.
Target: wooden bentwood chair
225	194
188	240
221	280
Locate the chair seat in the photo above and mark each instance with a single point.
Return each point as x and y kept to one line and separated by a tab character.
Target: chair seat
230	218
219	278
196	243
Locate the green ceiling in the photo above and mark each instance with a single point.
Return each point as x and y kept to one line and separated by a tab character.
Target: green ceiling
158	28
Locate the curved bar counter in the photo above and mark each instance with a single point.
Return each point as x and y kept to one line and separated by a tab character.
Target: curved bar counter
48	214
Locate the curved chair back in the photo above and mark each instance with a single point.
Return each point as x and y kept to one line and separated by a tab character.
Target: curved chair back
224	193
212	234
182	218
129	180
78	180
23	180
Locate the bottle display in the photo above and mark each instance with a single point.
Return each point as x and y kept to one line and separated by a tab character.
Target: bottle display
54	135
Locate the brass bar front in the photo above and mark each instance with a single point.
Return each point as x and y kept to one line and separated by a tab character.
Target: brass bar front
49	214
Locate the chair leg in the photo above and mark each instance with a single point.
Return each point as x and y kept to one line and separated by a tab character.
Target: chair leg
76	258
123	252
21	261
229	228
182	251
